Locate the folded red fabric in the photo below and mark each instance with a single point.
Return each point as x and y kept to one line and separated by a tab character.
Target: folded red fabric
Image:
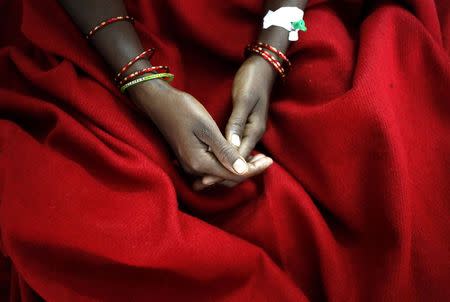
355	207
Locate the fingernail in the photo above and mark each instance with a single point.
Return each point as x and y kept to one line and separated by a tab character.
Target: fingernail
235	140
240	166
268	161
208	180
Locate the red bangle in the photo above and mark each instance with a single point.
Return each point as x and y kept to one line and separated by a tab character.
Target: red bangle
269	58
279	53
276	61
149	52
159	69
108	22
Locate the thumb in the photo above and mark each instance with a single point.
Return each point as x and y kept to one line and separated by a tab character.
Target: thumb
227	155
236	124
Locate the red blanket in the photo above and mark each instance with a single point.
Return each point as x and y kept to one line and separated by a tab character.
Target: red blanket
355	208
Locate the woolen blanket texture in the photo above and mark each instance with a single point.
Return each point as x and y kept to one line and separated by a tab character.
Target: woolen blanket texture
355	208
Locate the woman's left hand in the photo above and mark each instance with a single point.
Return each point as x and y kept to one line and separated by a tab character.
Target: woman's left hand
250	93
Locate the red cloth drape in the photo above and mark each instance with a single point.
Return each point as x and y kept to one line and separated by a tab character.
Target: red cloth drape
355	208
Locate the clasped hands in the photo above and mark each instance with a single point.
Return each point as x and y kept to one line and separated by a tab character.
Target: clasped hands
201	148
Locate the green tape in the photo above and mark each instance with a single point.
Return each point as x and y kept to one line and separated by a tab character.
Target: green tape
299	25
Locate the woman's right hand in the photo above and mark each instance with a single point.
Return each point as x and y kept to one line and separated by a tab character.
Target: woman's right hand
192	133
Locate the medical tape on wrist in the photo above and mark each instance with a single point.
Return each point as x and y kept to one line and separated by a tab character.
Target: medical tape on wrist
290	18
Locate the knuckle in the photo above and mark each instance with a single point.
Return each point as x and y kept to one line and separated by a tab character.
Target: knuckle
236	124
203	131
260	130
226	151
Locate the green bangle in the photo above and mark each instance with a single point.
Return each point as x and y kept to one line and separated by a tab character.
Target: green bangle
167	76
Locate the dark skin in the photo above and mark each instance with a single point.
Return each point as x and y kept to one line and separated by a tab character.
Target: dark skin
199	145
251	91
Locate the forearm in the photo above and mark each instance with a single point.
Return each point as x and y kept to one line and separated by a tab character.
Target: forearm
117	43
274	35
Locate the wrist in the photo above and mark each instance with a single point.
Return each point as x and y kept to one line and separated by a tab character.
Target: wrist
265	69
258	72
150	95
275	36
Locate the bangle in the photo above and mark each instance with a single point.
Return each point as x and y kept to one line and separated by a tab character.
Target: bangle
144	71
272	58
269	58
166	76
149	52
108	22
279	53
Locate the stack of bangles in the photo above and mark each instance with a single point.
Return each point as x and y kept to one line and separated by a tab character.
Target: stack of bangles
273	56
140	76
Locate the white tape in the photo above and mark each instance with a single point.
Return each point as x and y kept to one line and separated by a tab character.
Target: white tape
283	17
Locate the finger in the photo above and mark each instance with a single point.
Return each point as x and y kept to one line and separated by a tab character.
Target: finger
209	180
198	185
256	166
204	162
228	155
253	159
259	165
254	130
237	121
229	183
212	167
